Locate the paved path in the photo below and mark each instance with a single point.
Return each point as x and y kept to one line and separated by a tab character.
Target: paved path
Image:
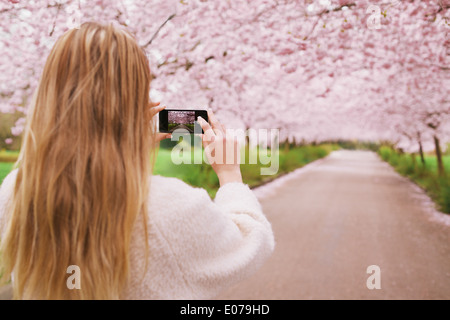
337	217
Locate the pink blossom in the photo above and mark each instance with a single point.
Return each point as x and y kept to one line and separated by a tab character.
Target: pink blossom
323	66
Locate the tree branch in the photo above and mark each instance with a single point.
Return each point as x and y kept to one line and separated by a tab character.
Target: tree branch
339	8
159	29
56	18
24	7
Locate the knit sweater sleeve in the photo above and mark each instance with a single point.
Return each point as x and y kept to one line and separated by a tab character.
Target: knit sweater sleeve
217	243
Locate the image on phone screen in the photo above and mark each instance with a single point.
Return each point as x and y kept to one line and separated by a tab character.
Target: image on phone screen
173	119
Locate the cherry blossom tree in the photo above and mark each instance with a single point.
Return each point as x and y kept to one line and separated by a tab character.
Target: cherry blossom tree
317	70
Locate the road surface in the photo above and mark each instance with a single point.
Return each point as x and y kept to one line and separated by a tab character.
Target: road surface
340	215
337	216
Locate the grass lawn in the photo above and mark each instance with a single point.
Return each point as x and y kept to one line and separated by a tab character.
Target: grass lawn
431	163
425	176
5	168
202	175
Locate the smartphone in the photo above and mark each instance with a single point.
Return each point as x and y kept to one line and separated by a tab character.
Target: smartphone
173	119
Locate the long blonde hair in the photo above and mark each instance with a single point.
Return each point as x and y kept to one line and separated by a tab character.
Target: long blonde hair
83	170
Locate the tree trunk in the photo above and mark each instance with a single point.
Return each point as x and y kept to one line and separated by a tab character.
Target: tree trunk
286	146
422	157
439	156
247	138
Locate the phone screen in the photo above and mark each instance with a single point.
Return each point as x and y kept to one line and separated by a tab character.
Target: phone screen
173	119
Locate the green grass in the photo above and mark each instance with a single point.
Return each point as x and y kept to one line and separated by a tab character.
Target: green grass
5	168
202	175
425	176
431	162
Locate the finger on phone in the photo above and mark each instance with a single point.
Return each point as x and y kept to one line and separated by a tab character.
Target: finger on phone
154	104
208	131
215	124
161	136
205	125
156	110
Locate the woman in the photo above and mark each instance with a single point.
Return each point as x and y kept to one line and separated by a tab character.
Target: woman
83	194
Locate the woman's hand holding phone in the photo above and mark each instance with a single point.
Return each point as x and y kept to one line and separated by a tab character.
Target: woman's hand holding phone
222	150
155	108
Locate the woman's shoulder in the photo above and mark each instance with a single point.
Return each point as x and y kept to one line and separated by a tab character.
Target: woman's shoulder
6	190
172	201
170	185
174	193
9	179
7	186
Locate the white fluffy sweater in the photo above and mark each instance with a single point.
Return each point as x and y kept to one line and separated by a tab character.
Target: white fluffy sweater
197	247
